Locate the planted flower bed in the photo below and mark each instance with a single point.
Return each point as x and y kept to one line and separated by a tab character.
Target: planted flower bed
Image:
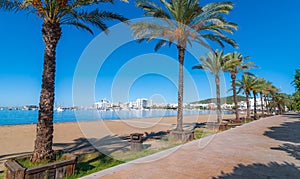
55	170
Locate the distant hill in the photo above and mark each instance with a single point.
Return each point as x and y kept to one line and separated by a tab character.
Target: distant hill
228	100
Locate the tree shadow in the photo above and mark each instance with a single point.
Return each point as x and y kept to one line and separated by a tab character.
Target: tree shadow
292	150
8	156
262	171
91	161
106	145
95	154
155	135
199	125
287	132
292	115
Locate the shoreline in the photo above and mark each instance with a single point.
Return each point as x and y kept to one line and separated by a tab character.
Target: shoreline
117	119
18	139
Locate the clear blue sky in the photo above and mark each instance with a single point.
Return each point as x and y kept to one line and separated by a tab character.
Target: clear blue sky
268	33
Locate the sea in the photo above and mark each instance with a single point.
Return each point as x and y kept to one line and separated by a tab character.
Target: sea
18	117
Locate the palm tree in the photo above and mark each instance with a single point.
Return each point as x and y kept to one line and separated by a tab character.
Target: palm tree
246	84
234	63
256	88
213	64
54	14
262	88
267	89
272	101
185	21
296	83
281	100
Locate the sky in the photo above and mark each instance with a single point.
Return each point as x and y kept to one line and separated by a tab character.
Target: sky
268	33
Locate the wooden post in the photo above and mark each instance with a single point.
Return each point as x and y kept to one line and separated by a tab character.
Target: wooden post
14	170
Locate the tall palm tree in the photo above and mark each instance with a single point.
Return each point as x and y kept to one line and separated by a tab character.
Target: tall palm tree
212	63
296	83
54	14
262	88
274	91
267	89
235	63
256	88
185	21
245	84
281	100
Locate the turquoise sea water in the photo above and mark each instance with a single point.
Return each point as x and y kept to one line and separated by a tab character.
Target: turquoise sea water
14	117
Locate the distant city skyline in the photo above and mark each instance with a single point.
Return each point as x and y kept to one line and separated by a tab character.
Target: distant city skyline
266	34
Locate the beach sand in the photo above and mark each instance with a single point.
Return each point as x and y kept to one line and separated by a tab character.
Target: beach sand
77	136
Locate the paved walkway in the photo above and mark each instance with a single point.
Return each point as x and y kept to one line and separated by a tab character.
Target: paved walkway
267	148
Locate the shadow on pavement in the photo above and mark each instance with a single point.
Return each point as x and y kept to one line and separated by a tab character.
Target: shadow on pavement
287	132
292	150
262	171
292	115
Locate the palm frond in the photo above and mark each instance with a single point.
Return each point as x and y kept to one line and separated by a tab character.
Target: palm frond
187	22
94	17
211	62
201	41
199	66
160	44
227	40
250	74
214	9
81	3
9	5
152	9
80	25
214	38
149	31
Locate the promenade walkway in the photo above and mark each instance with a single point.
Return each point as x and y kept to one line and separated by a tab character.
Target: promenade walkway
267	148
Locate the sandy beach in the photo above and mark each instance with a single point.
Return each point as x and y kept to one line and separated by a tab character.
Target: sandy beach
18	139
77	137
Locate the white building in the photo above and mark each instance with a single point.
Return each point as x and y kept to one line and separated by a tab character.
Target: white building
227	106
103	104
242	105
258	103
143	103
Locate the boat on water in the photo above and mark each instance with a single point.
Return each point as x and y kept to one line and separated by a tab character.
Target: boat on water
59	109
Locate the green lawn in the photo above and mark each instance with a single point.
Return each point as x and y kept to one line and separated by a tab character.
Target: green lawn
1	174
93	162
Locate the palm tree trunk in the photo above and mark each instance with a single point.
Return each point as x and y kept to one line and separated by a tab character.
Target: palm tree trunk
248	104
237	115
181	52
262	104
267	104
44	131
279	109
219	112
255	112
274	102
